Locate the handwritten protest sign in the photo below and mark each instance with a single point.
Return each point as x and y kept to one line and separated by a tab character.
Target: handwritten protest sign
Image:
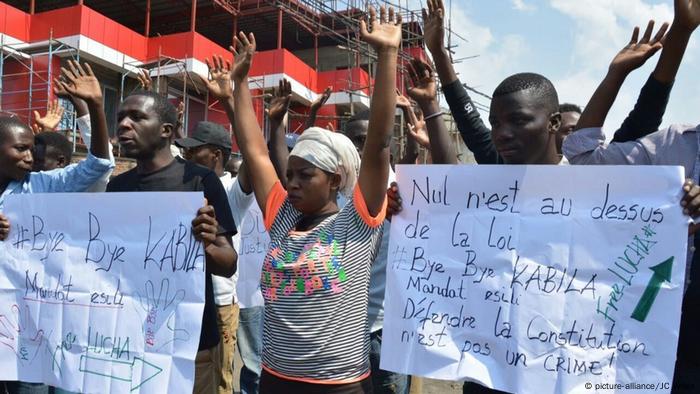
101	293
251	253
537	279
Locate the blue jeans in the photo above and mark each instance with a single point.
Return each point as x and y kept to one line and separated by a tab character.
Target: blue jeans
23	388
385	382
249	333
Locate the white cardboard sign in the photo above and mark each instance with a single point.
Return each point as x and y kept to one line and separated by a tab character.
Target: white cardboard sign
101	293
537	279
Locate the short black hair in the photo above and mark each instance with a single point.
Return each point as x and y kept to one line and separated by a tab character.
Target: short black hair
9	122
543	88
56	141
164	108
568	107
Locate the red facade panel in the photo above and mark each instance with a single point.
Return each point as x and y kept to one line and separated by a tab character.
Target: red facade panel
203	48
349	79
14	22
177	45
63	22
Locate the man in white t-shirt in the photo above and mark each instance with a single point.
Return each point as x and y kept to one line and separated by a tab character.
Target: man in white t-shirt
210	146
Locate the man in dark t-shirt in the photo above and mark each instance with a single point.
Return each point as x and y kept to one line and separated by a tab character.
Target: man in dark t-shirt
145	126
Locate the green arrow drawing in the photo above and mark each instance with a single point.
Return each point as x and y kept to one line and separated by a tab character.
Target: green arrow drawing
662	273
120	370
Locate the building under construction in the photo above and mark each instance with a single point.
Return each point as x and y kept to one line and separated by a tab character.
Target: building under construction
312	43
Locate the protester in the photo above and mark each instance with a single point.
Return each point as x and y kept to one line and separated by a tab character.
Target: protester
146	122
290	361
233	165
210	146
476	134
416	135
570	114
675	145
51	150
16	161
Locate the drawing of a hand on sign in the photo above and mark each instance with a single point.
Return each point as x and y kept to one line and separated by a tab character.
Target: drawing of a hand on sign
160	303
16	334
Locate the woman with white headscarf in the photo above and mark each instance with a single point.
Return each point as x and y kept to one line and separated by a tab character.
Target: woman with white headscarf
316	272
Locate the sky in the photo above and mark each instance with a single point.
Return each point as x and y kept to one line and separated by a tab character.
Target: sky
571	42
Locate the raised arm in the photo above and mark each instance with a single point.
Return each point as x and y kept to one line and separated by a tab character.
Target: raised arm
686	20
648	112
315	106
178	132
475	134
277	114
48	122
82	84
250	137
412	146
385	38
434	37
424	92
630	58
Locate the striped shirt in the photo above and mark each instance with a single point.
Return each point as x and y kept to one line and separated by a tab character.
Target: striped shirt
315	288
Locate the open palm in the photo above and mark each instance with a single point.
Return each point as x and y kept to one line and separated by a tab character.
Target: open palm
219	82
385	33
321	100
81	82
243	52
637	52
419	133
424	86
53	116
280	101
434	30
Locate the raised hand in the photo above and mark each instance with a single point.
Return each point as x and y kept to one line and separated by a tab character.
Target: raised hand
687	13
145	80
243	51
321	100
416	125
637	52
79	105
81	82
181	112
434	28
402	101
280	102
50	121
418	131
59	90
385	32
424	88
219	81
315	106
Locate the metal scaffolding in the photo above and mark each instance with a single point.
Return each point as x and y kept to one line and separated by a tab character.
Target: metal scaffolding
329	23
39	81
